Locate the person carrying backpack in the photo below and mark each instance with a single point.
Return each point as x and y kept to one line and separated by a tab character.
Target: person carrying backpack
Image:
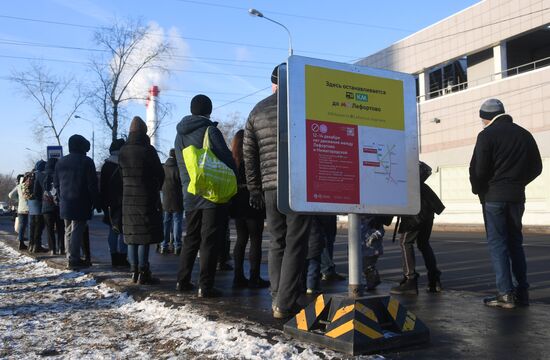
33	192
418	229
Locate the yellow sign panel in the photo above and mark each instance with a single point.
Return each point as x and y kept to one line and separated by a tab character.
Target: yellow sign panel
351	98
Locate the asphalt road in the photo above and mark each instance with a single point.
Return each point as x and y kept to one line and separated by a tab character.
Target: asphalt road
460	326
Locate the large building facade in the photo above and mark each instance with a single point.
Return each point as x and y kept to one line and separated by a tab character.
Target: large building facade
493	49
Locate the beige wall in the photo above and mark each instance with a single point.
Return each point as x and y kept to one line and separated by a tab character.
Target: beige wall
480	26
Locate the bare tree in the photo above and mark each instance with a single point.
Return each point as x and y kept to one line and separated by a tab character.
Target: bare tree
58	98
232	123
129	49
7	183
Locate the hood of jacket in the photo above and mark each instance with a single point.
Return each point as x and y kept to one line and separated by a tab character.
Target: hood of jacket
191	123
50	165
171	162
113	158
40	165
138	138
78	144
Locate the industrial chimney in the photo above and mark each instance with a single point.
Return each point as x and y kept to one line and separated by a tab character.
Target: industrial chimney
152	119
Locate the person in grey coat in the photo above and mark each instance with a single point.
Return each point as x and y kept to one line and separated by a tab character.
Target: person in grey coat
75	181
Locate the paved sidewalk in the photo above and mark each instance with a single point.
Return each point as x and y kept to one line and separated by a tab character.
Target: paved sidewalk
461	327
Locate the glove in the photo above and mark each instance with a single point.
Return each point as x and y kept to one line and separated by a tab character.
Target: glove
257	200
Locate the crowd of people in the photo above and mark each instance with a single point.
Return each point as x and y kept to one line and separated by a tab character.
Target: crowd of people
144	201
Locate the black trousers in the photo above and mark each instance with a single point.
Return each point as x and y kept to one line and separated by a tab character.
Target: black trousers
55	224
205	230
37	227
287	254
422	238
249	228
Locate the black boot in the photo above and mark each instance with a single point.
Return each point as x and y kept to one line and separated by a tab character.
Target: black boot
146	278
434	283
372	277
135	274
22	246
409	287
114	259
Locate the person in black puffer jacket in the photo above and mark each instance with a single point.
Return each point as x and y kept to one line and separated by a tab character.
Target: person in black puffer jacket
289	232
172	204
142	179
206	222
506	158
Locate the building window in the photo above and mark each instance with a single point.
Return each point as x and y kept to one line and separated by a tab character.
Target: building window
448	78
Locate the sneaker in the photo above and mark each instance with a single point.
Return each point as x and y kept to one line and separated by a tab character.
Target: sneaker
313	292
409	287
258	283
209	293
506	301
164	250
332	277
522	296
184	286
146	278
434	286
372	278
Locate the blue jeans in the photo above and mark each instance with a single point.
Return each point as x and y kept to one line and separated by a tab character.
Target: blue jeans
313	279
138	256
172	225
116	243
505	240
22	226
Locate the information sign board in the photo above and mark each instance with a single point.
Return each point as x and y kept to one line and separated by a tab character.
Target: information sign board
352	139
54	151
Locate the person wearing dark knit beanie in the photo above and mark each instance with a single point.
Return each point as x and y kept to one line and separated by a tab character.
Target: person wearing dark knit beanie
201	105
505	159
490	109
138	125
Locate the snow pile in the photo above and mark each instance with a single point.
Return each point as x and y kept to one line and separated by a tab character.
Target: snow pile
66	314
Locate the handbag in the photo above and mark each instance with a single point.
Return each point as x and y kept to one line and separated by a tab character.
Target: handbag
209	177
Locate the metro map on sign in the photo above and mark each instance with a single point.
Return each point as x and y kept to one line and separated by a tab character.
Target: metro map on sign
382	158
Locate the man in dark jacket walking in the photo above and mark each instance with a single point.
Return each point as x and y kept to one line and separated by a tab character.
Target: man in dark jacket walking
76	183
172	204
206	222
505	159
289	232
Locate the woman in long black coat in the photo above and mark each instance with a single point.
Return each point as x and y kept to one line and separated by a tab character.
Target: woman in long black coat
142	178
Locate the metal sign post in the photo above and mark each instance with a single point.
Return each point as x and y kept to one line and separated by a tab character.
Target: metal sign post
355	288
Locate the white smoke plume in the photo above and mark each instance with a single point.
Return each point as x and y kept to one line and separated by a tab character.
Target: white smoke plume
154	73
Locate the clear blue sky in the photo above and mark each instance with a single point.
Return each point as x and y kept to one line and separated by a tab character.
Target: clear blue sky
229	54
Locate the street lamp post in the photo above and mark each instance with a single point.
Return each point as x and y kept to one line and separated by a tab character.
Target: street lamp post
254	12
93	133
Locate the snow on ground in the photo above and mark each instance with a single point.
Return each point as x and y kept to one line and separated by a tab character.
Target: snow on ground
67	315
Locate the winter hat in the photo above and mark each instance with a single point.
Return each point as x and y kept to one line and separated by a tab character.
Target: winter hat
275	74
201	105
491	108
138	125
78	144
116	145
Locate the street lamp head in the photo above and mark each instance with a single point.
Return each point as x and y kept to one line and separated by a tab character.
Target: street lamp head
77	116
254	12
